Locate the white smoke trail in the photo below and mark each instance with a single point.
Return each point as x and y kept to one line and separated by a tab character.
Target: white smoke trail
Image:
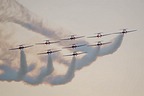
63	79
11	74
12	11
111	48
31	67
23	66
88	58
5	56
44	72
8	73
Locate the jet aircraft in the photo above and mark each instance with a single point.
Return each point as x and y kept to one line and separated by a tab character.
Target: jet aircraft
47	42
21	47
73	37
75	53
124	31
99	43
75	46
99	35
50	51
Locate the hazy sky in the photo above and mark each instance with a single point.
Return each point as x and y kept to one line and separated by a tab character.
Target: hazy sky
118	74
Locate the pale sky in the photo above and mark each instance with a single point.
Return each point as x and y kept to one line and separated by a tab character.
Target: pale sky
118	74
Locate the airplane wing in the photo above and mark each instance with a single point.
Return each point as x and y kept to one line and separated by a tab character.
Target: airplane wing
92	37
101	35
131	30
55	42
13	48
39	43
127	32
100	45
42	53
79	37
56	51
74	55
120	32
107	34
28	46
106	43
117	33
68	47
81	45
65	39
69	55
93	45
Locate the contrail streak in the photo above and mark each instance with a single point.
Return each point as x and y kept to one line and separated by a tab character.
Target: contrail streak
8	74
23	66
63	79
111	48
11	74
88	58
44	72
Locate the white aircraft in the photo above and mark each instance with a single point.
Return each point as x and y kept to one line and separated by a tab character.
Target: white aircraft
50	51
47	42
21	47
75	46
99	35
99	43
73	37
75	53
124	31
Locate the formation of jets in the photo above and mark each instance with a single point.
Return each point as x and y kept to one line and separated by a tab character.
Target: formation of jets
73	46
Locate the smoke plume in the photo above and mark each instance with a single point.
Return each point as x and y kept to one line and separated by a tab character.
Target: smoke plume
63	79
111	48
44	72
23	66
88	58
8	73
